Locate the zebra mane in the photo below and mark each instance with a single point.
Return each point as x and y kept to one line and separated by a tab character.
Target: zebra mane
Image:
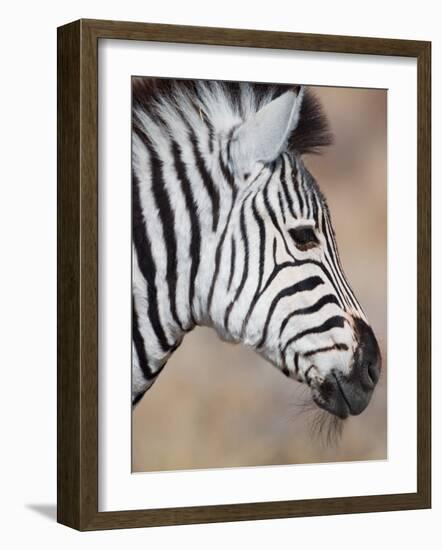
219	106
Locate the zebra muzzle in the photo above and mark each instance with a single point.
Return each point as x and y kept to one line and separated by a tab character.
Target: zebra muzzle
344	395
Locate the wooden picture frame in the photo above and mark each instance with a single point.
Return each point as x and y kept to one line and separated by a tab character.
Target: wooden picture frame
77	459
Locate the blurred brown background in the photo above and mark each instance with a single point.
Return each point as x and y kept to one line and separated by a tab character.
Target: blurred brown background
219	405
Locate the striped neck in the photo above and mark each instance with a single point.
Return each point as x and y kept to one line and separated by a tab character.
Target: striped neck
182	202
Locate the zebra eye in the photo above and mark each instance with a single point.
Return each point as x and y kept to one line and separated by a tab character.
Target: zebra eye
304	237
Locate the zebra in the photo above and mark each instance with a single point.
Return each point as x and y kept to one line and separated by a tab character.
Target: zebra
231	231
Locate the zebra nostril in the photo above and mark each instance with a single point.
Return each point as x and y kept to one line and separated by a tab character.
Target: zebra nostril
368	357
368	373
373	372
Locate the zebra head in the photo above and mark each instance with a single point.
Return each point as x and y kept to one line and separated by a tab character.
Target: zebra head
281	288
230	230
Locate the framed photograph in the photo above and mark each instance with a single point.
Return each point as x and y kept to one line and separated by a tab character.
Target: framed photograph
243	274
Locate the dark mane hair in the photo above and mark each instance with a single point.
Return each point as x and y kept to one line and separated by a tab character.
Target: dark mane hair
313	130
311	134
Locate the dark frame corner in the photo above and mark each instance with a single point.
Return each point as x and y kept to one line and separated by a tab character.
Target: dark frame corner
77	386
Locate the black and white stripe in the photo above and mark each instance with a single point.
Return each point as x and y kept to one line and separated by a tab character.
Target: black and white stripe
214	203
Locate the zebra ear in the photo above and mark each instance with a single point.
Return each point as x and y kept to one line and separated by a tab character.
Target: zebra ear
263	137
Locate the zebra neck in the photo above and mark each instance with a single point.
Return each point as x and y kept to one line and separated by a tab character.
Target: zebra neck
182	204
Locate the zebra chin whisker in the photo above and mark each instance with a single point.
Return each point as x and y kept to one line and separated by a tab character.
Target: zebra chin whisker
323	427
326	428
